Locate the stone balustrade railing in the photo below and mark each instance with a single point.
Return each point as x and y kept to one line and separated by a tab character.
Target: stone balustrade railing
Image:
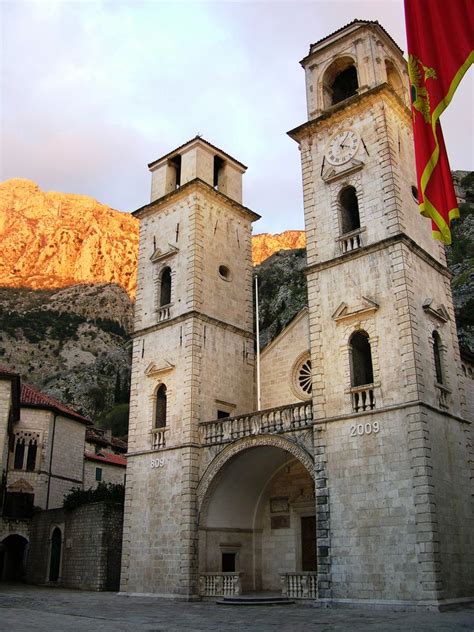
163	313
220	584
363	398
302	585
350	241
443	395
271	421
158	438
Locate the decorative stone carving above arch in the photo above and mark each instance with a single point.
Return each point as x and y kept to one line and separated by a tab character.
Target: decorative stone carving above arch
344	312
216	466
160	255
439	313
154	370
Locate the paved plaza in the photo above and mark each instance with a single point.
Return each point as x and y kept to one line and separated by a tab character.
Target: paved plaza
29	608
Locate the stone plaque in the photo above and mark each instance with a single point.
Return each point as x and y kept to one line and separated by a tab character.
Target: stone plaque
280	522
279	504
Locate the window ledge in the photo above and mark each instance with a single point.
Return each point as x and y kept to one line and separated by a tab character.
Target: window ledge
351	233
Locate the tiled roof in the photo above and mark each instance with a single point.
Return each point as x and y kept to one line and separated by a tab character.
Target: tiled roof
188	142
98	436
31	397
104	457
356	21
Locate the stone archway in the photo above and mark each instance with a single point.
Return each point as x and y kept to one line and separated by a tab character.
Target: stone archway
215	467
13	554
255	500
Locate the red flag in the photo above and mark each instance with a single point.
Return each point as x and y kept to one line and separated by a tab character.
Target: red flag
440	36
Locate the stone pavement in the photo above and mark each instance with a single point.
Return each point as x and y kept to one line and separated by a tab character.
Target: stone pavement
31	609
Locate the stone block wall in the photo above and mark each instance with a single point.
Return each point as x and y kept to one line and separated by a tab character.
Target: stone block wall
91	546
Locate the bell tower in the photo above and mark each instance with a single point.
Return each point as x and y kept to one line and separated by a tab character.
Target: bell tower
395	520
193	354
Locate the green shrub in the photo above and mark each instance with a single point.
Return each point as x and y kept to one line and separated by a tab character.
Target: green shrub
104	492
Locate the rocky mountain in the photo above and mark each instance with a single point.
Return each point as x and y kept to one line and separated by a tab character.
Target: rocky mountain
52	240
72	343
265	244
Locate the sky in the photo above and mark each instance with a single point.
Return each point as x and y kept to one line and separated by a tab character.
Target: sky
92	91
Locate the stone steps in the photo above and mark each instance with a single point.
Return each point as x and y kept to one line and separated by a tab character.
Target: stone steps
251	600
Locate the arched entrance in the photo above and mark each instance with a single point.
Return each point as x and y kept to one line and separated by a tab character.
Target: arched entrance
55	555
257	515
13	554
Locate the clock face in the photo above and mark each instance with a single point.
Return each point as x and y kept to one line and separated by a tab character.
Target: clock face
342	147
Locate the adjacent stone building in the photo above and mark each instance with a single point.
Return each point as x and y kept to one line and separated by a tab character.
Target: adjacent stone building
47	449
354	484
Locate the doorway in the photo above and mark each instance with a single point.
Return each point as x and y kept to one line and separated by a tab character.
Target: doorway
13	553
308	543
55	558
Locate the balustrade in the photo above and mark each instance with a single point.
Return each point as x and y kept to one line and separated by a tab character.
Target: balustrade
302	585
159	438
363	398
220	584
350	241
271	421
163	313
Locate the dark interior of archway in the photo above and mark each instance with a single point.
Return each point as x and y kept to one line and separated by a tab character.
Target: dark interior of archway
362	371
350	218
344	85
12	558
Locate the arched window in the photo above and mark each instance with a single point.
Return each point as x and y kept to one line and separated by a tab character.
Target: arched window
165	287
160	410
340	81
55	555
31	456
437	357
349	206
19	454
393	78
361	359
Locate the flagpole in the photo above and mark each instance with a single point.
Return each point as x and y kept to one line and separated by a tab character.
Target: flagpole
258	344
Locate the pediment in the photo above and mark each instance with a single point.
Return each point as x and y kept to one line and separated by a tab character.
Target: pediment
333	173
21	487
344	312
158	369
159	254
440	312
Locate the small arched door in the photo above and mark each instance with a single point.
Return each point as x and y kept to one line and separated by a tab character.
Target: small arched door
55	555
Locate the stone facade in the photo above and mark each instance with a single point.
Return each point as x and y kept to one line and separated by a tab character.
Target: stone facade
108	473
280	364
358	485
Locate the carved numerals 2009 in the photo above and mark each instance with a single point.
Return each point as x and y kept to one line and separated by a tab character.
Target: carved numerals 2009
357	430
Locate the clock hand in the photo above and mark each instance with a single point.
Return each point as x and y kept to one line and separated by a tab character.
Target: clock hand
343	140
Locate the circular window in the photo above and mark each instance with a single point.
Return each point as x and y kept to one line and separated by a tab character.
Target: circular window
414	192
301	382
224	273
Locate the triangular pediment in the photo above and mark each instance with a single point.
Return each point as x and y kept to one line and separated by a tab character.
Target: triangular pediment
333	173
344	312
158	369
21	487
159	254
440	312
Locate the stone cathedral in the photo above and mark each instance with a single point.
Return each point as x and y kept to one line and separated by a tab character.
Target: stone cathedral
354	482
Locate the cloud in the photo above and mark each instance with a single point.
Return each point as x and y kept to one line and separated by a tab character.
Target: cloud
95	90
